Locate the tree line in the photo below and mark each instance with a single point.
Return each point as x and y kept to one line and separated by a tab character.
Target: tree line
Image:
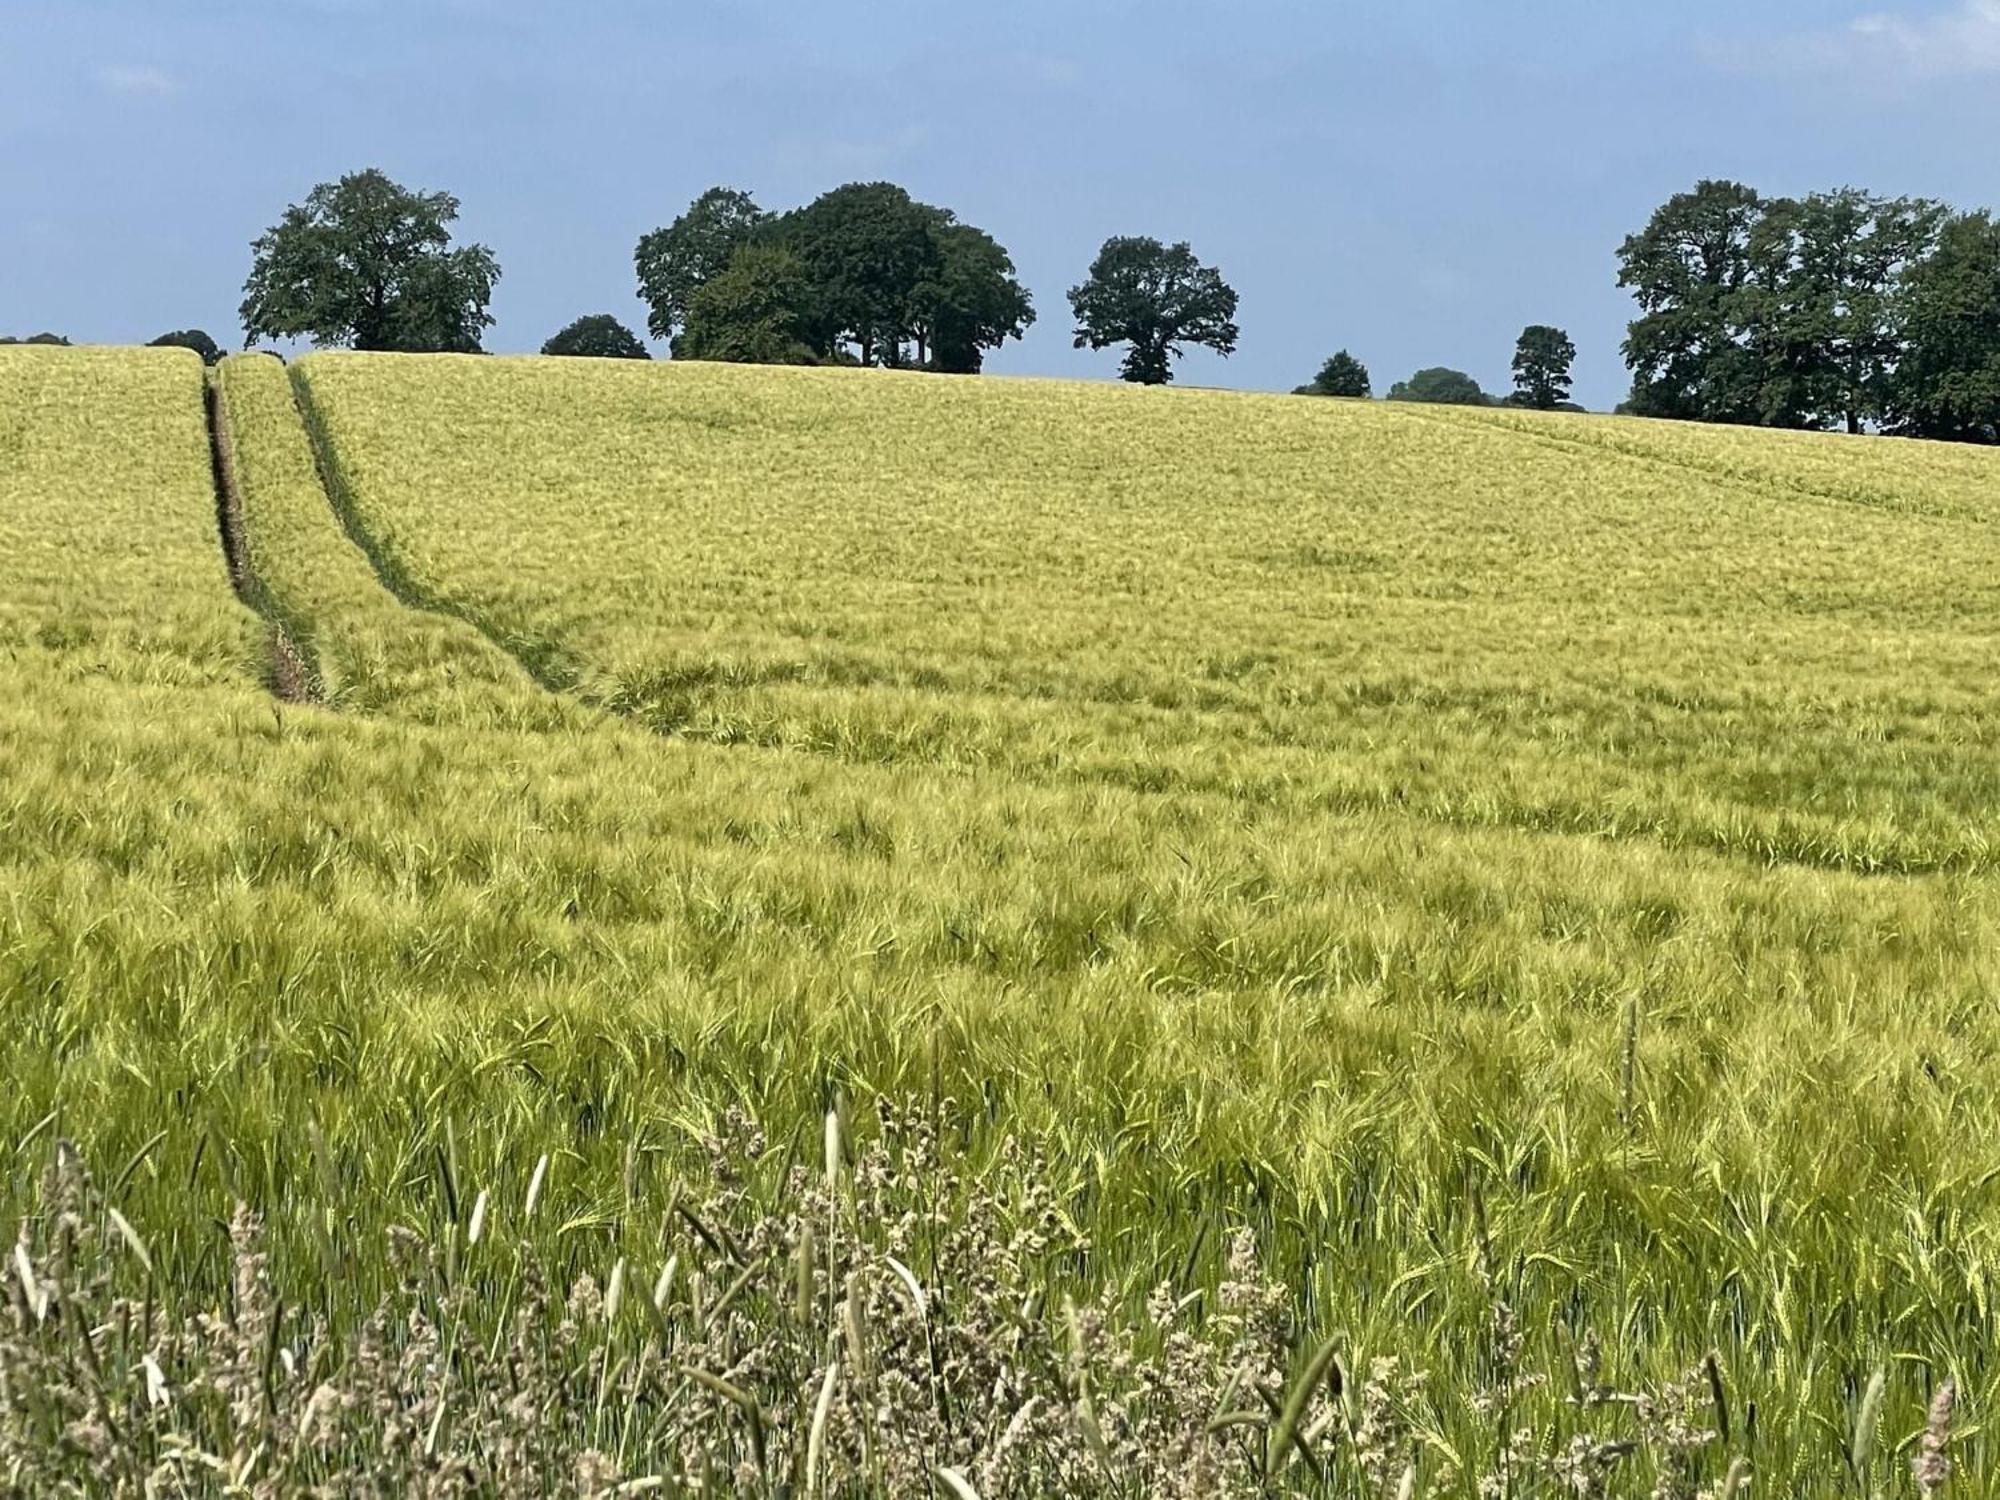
1543	357
1834	310
1838	309
864	274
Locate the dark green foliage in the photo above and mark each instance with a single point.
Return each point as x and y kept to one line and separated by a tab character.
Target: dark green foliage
865	249
1156	298
191	338
54	339
1440	387
1947	384
868	268
674	262
368	264
1822	306
599	336
1542	360
1779	312
969	302
1687	268
1342	375
756	311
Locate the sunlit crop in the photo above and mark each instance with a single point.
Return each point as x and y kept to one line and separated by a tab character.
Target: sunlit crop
1532	872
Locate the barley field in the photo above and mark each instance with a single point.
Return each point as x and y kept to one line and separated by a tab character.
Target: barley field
855	933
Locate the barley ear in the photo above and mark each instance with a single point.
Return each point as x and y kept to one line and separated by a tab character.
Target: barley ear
816	1437
1861	1440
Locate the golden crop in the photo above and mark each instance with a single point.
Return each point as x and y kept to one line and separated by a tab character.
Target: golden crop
1318	815
1507	621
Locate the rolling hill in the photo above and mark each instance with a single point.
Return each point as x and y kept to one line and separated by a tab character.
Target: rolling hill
1502	859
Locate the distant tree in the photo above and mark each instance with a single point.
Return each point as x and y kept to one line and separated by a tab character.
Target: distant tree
1821	307
675	262
970	300
866	249
1947	383
1342	375
1155	298
368	264
1542	360
599	336
870	269
1687	268
1440	387
190	338
54	339
1777	311
755	311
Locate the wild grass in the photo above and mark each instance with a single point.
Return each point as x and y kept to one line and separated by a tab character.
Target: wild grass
1458	973
858	1325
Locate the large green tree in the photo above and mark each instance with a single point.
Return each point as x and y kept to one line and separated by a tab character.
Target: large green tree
1440	386
879	274
1947	382
674	262
1821	307
1687	268
755	311
969	302
1542	359
866	248
1342	375
368	264
599	336
1777	311
1157	299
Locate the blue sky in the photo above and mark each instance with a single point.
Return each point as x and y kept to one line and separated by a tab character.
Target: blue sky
1412	180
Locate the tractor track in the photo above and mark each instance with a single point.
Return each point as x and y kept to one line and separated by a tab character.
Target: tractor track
289	670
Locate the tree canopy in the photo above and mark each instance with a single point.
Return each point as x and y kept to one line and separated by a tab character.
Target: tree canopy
1687	268
599	336
1947	382
674	262
1440	387
368	264
1157	299
751	313
190	338
968	302
1826	300
1542	360
54	339
1342	375
865	249
1781	312
871	270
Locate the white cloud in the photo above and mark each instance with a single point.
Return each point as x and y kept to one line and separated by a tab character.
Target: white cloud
1962	39
137	80
1965	40
856	156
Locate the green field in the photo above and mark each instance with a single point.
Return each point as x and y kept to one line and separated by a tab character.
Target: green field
1530	870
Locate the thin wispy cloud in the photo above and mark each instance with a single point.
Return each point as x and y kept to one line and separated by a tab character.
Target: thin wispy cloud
137	81
857	156
1885	45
